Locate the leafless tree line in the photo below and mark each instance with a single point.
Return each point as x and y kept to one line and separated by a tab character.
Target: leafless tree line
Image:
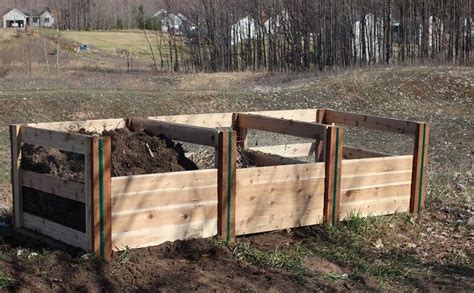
301	35
280	35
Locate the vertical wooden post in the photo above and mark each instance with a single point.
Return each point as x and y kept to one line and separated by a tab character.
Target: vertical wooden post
319	144
332	186
242	139
227	155
15	145
420	160
101	204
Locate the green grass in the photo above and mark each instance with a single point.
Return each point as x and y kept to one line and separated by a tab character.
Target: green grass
112	41
352	243
290	259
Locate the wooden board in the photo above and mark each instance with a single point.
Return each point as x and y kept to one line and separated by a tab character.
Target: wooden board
374	165
371	122
163	207
375	179
332	185
130	185
279	197
177	215
15	145
70	142
375	186
288	150
163	233
175	131
59	232
420	163
221	120
90	125
358	153
386	206
54	185
282	126
214	120
261	159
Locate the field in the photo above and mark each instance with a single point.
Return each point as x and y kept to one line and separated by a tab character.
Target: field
434	252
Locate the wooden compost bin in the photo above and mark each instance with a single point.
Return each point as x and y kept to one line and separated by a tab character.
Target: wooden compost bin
145	210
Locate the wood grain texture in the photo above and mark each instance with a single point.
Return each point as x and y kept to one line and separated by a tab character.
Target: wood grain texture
15	146
420	164
176	131
282	126
158	235
65	141
371	122
54	185
279	197
59	232
332	186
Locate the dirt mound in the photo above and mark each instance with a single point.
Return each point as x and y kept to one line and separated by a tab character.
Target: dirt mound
66	165
133	153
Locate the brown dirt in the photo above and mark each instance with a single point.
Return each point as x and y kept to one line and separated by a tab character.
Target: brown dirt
202	265
133	153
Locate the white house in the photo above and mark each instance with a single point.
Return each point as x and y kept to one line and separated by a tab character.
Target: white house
171	22
245	29
14	18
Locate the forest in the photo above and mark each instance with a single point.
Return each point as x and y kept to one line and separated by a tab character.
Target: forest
282	35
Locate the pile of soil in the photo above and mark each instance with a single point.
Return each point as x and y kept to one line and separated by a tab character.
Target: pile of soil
136	153
65	165
133	153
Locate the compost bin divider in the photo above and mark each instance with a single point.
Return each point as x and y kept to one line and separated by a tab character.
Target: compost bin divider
226	184
100	203
420	161
15	144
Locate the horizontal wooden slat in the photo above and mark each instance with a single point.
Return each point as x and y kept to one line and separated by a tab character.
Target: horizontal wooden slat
375	207
164	181
289	150
175	131
59	232
53	185
71	142
263	159
282	126
89	125
371	122
288	173
156	236
214	120
163	198
225	119
380	192
278	221
373	165
168	216
358	153
288	188
374	179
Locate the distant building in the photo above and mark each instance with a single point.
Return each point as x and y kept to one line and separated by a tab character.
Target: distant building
170	22
245	29
16	18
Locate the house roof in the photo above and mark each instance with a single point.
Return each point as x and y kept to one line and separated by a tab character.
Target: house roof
28	11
